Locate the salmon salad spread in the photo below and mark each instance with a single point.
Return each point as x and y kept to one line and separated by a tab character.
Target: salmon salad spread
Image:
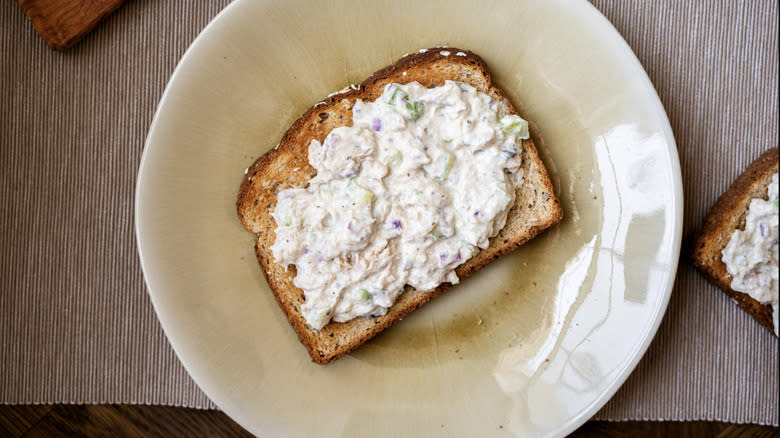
418	184
751	254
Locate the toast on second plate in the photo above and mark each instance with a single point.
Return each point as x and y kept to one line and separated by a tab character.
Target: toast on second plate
727	215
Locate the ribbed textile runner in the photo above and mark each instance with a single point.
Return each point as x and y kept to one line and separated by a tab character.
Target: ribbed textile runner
77	325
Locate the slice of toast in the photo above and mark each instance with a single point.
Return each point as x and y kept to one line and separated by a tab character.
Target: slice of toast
535	209
727	215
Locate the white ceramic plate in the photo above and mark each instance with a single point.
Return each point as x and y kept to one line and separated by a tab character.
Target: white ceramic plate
532	345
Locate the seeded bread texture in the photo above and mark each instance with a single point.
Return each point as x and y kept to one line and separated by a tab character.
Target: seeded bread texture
536	207
727	215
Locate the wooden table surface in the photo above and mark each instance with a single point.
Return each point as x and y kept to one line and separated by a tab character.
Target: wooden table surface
31	421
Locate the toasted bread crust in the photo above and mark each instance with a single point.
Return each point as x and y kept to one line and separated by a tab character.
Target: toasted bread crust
727	215
536	208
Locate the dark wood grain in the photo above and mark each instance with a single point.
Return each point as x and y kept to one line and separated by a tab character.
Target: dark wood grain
62	23
32	421
16	420
120	421
689	429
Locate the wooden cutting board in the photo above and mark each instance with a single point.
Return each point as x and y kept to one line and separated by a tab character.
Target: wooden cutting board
62	23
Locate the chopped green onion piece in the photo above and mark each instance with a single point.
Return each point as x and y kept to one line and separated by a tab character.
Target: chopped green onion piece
392	158
415	110
395	94
366	295
449	161
361	194
287	221
436	233
512	124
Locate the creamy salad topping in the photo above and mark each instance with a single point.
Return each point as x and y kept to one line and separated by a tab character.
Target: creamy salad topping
422	179
751	255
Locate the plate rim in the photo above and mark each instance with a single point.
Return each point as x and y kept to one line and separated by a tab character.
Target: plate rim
676	208
678	213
